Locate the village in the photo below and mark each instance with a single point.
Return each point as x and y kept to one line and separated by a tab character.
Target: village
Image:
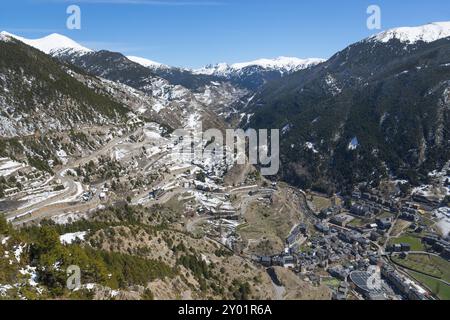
355	235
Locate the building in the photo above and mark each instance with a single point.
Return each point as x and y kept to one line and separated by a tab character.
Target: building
441	245
365	196
291	239
384	223
403	285
265	261
430	239
341	220
351	237
339	273
361	280
341	292
288	262
399	247
322	228
374	236
446	254
374	260
360	210
409	216
296	233
405	247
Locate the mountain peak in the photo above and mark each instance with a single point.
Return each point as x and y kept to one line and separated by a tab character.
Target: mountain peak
147	63
426	33
51	44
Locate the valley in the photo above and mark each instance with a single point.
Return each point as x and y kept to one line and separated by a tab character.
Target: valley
91	174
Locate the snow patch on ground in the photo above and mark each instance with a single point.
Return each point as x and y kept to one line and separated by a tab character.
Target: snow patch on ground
354	143
18	250
67	218
5	240
310	146
443	214
8	166
62	155
69	238
31	273
157	107
286	129
33	199
4	289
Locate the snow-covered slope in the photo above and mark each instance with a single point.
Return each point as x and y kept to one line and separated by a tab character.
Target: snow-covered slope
3	36
426	33
147	63
282	64
52	44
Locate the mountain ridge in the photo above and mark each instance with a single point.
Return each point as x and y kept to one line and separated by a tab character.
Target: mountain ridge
384	95
283	64
52	44
426	33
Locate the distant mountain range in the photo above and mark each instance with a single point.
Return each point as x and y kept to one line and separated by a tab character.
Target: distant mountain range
378	108
251	74
255	74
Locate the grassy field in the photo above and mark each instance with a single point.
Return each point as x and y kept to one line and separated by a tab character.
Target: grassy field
320	202
428	264
357	222
331	282
441	290
385	214
415	242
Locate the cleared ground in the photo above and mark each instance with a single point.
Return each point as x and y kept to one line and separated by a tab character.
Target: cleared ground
268	224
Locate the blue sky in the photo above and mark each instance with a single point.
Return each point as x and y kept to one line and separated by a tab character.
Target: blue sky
193	33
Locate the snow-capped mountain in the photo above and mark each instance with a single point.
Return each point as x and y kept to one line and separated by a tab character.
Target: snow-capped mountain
254	74
248	75
53	44
147	63
281	64
64	103
373	109
426	33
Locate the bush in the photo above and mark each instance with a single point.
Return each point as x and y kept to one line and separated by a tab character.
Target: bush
4	226
241	290
148	295
198	267
58	188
